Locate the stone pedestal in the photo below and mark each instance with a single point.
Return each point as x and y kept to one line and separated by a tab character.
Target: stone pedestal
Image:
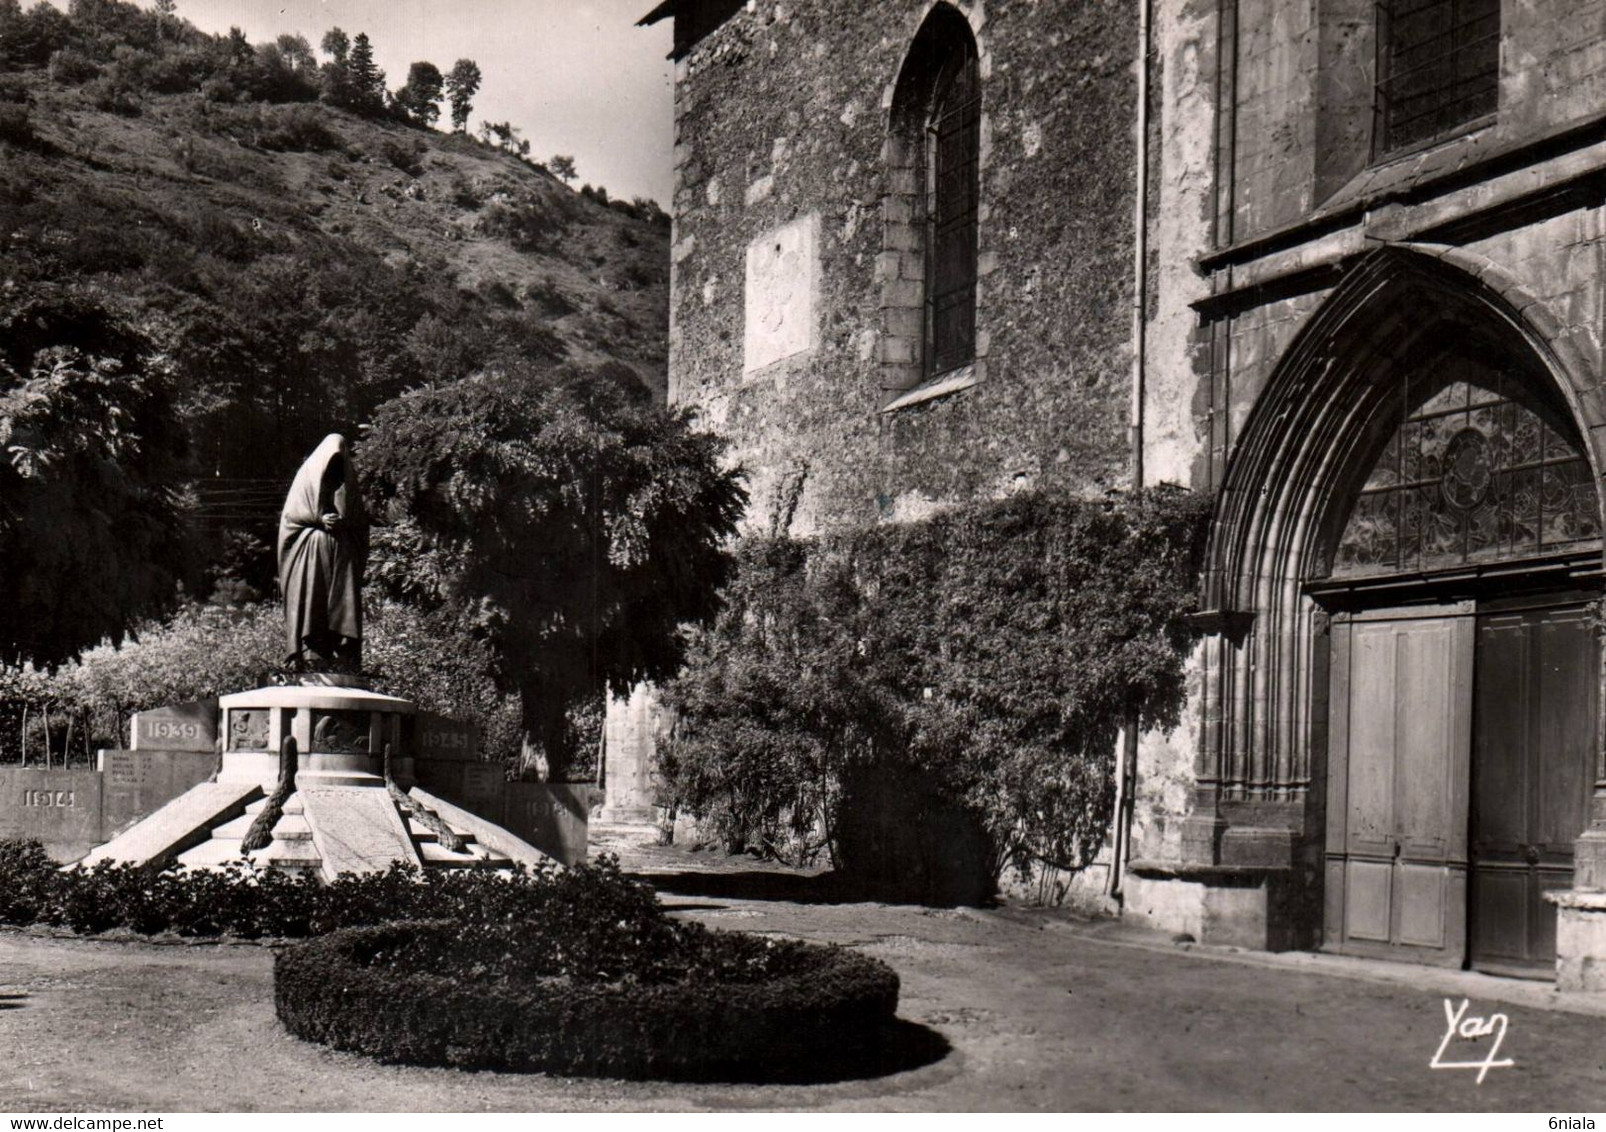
341	734
1580	940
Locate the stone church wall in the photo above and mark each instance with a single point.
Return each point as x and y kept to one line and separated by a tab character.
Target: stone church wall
791	238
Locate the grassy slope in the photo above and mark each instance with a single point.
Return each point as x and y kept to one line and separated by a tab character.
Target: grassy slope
182	158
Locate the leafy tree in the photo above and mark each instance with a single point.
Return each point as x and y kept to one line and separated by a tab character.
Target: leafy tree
367	80
462	84
337	84
421	96
32	36
285	71
562	166
92	524
237	49
507	137
577	524
337	45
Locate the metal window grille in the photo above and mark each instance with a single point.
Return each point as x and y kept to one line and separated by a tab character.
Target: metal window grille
1438	67
952	188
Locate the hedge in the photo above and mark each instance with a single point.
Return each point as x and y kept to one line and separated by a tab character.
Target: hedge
590	910
718	1005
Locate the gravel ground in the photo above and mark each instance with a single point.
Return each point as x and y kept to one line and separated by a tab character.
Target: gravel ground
1005	1009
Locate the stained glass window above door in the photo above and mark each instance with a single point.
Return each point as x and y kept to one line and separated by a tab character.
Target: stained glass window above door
1475	471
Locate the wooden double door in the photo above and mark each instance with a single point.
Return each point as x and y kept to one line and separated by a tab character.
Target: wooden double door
1460	758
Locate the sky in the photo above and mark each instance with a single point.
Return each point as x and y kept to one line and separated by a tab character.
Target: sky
576	76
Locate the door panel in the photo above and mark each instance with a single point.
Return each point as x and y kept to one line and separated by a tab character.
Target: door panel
1369	901
1537	693
1402	683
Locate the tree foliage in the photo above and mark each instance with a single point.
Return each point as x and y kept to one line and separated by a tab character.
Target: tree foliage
367	80
203	649
462	84
990	653
562	166
575	522
420	97
92	524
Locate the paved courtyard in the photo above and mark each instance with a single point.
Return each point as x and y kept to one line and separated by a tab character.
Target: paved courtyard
1003	1009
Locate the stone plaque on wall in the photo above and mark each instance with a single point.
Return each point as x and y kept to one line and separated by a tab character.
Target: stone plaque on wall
61	808
178	727
136	783
782	280
440	737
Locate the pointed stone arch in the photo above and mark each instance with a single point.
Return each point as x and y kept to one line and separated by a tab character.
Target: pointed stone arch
1314	426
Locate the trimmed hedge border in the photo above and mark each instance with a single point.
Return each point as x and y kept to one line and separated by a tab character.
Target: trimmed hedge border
823	998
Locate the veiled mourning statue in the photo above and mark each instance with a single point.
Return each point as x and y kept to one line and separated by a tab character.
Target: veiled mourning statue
323	548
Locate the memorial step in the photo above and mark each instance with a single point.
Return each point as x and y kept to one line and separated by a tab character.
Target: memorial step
290	827
358	830
436	855
182	824
292	805
422	833
288	855
213	854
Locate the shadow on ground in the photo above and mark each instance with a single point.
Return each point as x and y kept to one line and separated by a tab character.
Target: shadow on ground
897	1046
762	884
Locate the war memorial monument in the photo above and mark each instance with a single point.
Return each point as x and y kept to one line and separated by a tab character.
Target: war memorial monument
314	772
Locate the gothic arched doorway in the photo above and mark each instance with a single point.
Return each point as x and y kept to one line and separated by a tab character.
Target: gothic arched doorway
1463	669
1406	561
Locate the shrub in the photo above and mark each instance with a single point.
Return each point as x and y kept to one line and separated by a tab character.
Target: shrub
111	94
220	88
293	129
296	129
203	650
465	194
28	883
703	1004
16	126
213	231
14	89
407	158
549	297
971	670
528	224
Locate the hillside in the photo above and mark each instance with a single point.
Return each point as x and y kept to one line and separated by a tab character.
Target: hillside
296	264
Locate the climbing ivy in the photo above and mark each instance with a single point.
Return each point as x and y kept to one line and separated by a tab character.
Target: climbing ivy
984	658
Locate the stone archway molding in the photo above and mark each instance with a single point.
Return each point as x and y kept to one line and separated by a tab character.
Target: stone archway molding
1254	807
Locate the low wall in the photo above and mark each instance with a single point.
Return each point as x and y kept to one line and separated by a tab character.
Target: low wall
72	811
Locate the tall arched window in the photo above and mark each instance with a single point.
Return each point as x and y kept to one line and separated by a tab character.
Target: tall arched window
953	143
929	261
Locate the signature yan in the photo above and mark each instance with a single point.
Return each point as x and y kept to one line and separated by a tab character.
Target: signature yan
1458	1024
